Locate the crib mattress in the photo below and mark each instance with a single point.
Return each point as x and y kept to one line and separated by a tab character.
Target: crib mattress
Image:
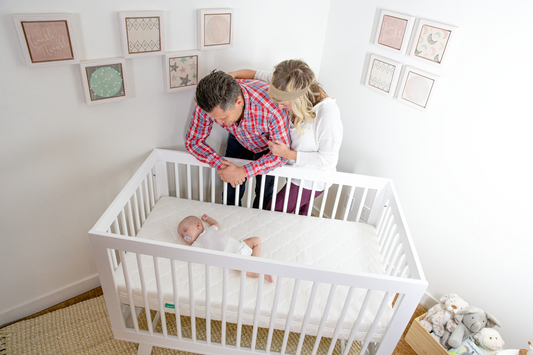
346	246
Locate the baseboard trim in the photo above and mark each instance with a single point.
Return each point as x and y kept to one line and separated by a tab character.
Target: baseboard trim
48	300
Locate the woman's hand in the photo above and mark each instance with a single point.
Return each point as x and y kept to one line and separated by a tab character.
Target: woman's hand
280	149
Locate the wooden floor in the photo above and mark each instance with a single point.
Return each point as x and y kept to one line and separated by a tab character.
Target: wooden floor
401	349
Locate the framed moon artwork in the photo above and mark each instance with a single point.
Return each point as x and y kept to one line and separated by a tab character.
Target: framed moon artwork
215	28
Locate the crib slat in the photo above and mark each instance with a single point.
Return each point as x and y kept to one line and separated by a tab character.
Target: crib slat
337	199
390	249
177	179
375	323
224	306
287	190
145	294
399	265
151	189
208	304
357	323
189	182
241	305
146	197
249	195
176	297
225	194
361	205
130	219
394	258
130	293
350	197
273	313
299	199
201	183
136	213
112	255
275	189
289	315
262	192
386	231
213	185
383	219
323	205
340	320
160	296
141	204
306	317
191	302
312	200
237	194
325	318
116	228
257	309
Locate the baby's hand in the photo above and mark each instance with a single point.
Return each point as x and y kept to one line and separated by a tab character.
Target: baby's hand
205	217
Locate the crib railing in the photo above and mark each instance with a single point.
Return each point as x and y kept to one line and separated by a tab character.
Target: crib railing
172	173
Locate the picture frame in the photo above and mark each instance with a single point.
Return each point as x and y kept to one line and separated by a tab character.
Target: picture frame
417	88
104	80
142	33
382	75
394	31
215	28
432	41
46	39
181	70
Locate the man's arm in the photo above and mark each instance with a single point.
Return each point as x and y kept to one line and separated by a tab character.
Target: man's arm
199	130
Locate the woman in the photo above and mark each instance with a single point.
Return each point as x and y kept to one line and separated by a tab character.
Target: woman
315	128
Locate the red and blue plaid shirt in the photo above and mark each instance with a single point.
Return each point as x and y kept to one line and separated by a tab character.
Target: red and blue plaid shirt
262	121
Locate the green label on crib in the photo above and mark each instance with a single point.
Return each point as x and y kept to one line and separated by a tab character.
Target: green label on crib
169	305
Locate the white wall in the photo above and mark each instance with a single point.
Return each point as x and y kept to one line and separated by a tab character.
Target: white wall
462	170
62	162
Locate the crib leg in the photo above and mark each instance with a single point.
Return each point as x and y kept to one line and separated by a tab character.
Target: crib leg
343	346
144	349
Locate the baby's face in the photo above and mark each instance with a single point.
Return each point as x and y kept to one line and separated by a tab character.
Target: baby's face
190	231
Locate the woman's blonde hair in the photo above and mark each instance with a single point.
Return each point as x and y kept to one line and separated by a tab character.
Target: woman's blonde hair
295	75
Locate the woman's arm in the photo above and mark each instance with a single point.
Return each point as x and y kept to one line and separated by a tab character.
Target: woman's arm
242	74
280	149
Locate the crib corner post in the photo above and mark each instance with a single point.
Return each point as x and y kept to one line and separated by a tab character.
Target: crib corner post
160	179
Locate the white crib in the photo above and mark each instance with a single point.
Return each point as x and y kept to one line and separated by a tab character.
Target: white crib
142	269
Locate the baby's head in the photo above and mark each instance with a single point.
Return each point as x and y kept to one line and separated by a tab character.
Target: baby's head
190	228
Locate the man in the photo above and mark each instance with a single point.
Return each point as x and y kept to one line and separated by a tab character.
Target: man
245	110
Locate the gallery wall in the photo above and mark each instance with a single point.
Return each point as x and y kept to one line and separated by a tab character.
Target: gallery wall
462	169
63	162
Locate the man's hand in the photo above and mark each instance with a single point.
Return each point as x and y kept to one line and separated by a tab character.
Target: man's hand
231	173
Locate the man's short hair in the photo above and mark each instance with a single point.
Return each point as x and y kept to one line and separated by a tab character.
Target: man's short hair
217	89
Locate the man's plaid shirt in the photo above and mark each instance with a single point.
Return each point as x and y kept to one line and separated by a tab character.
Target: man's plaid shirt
262	121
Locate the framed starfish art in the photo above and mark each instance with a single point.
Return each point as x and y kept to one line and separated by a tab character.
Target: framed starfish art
181	70
104	80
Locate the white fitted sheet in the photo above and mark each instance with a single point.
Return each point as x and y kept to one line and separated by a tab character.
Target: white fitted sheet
346	246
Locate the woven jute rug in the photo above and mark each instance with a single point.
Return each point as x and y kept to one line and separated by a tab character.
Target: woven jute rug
84	328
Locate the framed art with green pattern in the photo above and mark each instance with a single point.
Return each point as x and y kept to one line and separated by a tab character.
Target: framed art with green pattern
104	80
182	70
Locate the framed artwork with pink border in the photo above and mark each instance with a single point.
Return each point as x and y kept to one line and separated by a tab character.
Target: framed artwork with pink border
182	70
417	88
432	41
382	75
141	33
46	39
104	80
394	31
215	28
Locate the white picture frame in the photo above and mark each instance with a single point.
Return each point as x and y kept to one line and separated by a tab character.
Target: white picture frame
104	80
394	31
142	33
382	75
182	70
432	41
215	28
46	39
417	88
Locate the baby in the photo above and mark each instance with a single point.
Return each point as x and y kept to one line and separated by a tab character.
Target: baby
191	229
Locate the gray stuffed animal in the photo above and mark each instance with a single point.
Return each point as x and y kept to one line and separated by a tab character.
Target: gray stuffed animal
470	320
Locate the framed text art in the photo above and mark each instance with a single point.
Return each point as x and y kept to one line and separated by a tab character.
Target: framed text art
394	31
104	80
382	75
181	70
141	33
46	39
432	41
417	88
215	28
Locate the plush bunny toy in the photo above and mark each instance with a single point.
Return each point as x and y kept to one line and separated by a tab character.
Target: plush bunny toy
470	320
442	315
489	341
